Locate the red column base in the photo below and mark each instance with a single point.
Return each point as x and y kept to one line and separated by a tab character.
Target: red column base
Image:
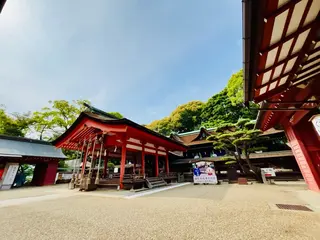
304	158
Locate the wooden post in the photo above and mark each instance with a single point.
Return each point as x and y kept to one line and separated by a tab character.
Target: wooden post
157	163
85	159
134	164
167	162
123	163
142	160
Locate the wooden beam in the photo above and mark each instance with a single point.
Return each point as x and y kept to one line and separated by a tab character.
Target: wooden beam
307	75
285	109
306	46
279	63
298	61
270	93
292	102
285	7
308	68
280	46
311	60
288	37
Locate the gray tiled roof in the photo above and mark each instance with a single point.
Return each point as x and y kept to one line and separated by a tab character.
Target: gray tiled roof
28	147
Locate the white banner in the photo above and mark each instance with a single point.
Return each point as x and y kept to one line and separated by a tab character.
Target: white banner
11	173
205	178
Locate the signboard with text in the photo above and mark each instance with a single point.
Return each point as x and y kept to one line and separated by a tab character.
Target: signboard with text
10	175
204	173
205	178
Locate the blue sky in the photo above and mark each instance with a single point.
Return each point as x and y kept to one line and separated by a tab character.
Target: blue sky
141	58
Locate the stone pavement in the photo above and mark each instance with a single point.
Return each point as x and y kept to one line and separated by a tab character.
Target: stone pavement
188	212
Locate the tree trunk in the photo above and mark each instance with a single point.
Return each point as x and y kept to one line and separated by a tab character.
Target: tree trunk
256	170
239	160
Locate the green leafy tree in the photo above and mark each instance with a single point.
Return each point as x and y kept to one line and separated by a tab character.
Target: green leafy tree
52	121
162	126
235	94
238	140
15	124
64	113
235	88
186	117
219	110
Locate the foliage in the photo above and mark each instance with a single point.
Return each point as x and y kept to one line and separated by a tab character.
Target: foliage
238	140
223	107
63	164
52	121
110	166
227	106
116	114
27	170
235	88
162	126
230	162
15	124
219	110
186	117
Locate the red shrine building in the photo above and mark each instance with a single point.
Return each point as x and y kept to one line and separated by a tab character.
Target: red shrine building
98	136
282	72
16	151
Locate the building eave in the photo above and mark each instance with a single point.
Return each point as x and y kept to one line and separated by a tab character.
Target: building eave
2	2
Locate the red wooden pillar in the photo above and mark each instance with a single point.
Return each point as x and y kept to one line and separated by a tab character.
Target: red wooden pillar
305	158
167	162
157	164
142	160
123	163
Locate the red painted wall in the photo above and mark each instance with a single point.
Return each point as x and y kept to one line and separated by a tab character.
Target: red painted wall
51	172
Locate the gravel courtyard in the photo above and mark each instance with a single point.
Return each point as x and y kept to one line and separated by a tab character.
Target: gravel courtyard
188	212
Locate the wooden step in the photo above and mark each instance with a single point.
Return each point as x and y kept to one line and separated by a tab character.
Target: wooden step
154	182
